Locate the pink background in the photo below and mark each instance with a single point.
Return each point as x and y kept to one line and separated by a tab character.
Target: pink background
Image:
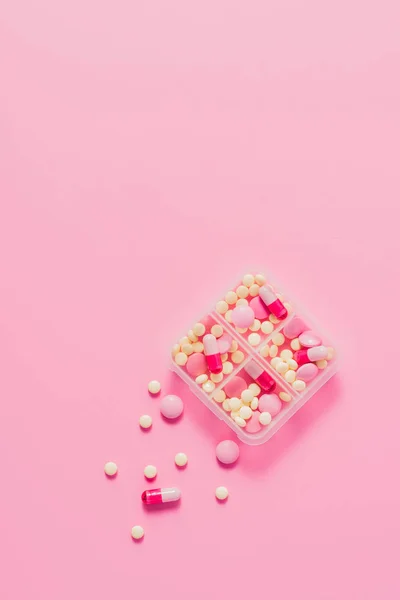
148	151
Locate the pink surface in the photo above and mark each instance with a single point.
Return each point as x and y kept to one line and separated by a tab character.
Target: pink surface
148	151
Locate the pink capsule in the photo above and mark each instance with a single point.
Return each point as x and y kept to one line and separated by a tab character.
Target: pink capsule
161	495
273	303
306	355
212	354
260	376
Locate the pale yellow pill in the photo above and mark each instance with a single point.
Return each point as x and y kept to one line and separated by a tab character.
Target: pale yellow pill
234	414
265	418
254	404
299	385
265	351
154	386
235	403
219	396
181	459
295	344
245	412
267	327
199	329
253	387
227	367
200	379
217	330
221	493
183	341
228	316
224	357
110	469
242	302
273	351
222	307
275	362
290	376
256	325
292	364
216	377
198	347
192	336
181	359
254	289
150	471
247	396
242	291
241	329
187	349
260	279
254	339
226	406
239	421
278	339
282	367
237	357
274	319
137	532
234	346
145	421
175	349
286	355
248	280
208	386
322	364
331	353
231	297
285	397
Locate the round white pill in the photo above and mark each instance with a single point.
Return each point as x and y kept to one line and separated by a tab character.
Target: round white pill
278	339
248	280
217	330
242	291
295	344
150	471
222	307
219	396
235	403
254	339
242	302
282	367
273	351
187	349
200	379
245	412
265	418
184	340
181	359
256	325
286	355
255	389
275	362
234	414
199	329
290	376
247	396
254	289
181	459
239	421
227	367
110	469
241	329
192	336
267	327
208	386
231	297
260	279
145	421
292	364
285	397
221	493
322	364
154	386
299	385
137	532
254	404
237	357
216	377
198	347
226	406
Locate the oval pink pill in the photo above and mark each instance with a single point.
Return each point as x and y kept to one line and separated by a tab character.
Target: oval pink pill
309	339
294	328
243	316
258	307
253	425
235	387
224	343
171	406
196	364
227	452
307	372
269	403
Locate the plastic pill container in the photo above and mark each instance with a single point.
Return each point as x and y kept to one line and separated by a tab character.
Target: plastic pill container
261	385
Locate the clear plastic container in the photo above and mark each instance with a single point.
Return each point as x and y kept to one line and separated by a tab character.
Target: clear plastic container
256	349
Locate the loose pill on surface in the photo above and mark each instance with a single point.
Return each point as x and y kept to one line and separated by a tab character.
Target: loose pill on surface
254	289
181	459
196	364
145	421
239	421
321	364
227	452
295	344
237	357
181	359
273	351
175	349
242	316
187	349
154	386
290	376
110	469
137	532
221	493
254	339
260	279
217	331
242	291
201	379
256	325
245	412
199	329
222	307
208	386
219	396
171	406
227	368
265	418
299	385
150	471
231	297
161	495
286	355
269	403
255	388
248	280
278	339
285	397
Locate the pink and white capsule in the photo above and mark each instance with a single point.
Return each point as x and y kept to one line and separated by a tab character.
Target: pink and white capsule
307	355
273	303
161	495
212	354
260	376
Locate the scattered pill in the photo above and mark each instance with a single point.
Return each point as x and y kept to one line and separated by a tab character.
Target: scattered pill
196	364
181	459
248	280
161	495
260	279
187	349
273	351
294	328
145	421
208	386
306	355
150	471
198	347
254	339
242	316
265	418
309	339
278	339
299	385
137	532
255	389
259	308
269	403
221	493
219	396
181	359
286	355
254	289
237	357
231	298
171	406
212	353
261	377
239	421
307	372
245	412
110	469
227	452
242	291
154	387
216	377
285	397
290	376
321	364
272	302
227	368
222	307
201	379
295	344
256	325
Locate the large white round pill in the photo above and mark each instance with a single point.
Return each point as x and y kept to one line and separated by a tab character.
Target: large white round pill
137	532
221	493
154	386
110	469
145	421
150	471
181	459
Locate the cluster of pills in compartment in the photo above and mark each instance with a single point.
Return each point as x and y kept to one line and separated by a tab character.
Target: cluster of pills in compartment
297	354
208	354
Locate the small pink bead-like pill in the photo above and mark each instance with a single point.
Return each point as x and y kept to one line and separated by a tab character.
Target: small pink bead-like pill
260	310
212	354
242	316
253	425
235	387
307	372
161	495
306	355
269	403
260	376
294	328
227	452
224	343
273	303
196	364
309	339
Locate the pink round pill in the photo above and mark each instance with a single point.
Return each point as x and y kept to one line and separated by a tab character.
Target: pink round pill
196	364
224	343
235	387
307	372
227	452
253	425
269	403
309	339
294	328
259	308
171	406
243	316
